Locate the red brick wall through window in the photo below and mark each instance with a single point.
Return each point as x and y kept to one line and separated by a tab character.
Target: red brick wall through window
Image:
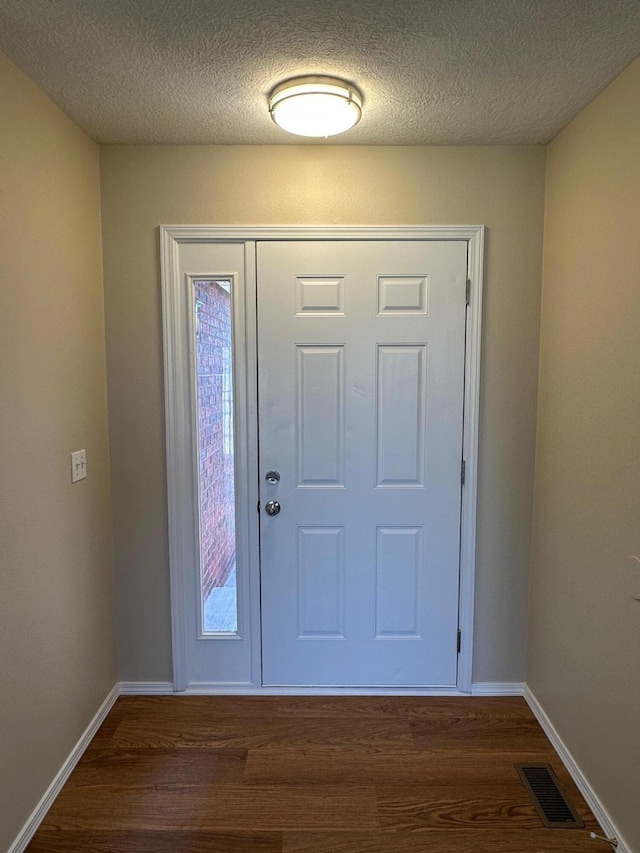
215	422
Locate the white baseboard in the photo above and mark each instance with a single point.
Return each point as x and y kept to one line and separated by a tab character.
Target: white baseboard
161	688
497	688
235	689
38	814
592	799
145	688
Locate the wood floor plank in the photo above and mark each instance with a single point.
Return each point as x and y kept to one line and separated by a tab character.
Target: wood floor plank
159	768
503	806
444	841
413	708
216	807
255	733
180	712
487	734
404	766
183	708
155	842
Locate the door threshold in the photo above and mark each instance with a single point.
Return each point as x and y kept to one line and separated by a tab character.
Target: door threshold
213	689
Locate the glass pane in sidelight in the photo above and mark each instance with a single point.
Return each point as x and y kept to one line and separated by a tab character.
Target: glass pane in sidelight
214	373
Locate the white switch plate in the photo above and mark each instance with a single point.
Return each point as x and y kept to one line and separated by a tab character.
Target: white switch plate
78	465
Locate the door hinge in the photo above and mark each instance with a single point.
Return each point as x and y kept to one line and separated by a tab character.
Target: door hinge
463	472
258	507
459	642
468	292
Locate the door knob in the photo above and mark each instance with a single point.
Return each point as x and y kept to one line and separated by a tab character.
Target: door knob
272	477
272	507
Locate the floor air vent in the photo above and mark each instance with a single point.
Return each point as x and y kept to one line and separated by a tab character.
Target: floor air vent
548	798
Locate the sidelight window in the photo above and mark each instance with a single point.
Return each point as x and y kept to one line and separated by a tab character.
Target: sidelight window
216	486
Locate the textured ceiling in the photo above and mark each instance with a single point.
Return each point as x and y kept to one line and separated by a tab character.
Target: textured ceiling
431	71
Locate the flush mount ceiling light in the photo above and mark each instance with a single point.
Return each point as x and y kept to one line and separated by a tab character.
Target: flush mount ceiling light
315	106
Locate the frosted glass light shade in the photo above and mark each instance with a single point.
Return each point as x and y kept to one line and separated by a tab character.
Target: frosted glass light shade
315	106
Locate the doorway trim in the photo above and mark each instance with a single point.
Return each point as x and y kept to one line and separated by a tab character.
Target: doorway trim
178	425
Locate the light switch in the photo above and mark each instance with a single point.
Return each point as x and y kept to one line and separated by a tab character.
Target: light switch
78	465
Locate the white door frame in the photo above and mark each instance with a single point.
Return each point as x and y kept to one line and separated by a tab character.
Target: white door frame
179	428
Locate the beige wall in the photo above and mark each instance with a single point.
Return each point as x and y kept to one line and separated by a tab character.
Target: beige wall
584	637
57	650
145	186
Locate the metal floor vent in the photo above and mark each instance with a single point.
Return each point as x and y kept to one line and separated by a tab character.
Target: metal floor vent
553	807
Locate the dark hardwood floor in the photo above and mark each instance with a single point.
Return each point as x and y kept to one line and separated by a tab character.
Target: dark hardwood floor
203	774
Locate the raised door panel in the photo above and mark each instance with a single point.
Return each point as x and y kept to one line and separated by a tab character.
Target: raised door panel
320	415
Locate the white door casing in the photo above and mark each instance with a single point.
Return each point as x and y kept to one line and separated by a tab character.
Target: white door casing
225	664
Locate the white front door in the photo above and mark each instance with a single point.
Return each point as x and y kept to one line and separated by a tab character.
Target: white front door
361	353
